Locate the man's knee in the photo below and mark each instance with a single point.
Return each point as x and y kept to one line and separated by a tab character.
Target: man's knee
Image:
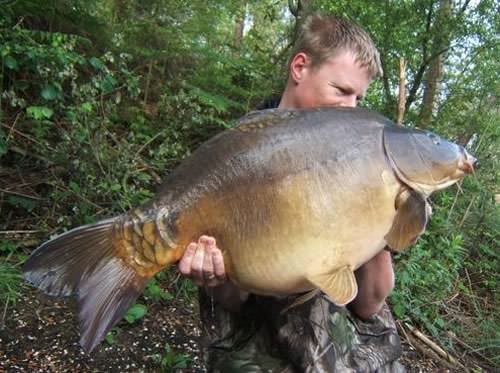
375	282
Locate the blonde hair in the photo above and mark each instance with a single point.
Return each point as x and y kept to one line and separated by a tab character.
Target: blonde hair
322	37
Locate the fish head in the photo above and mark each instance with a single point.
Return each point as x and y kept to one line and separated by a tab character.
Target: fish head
425	161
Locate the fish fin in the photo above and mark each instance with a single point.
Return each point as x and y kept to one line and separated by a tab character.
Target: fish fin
301	299
340	286
104	297
83	262
412	215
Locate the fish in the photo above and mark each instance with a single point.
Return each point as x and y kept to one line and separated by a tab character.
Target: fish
297	200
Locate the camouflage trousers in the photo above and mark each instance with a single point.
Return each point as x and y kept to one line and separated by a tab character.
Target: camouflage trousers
316	336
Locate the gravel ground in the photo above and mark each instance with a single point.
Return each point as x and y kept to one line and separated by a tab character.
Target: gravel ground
40	334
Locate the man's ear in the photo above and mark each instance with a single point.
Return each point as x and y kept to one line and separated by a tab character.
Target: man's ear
298	65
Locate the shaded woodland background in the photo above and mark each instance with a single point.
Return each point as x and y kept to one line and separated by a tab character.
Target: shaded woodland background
101	99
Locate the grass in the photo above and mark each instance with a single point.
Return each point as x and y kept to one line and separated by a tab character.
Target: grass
170	361
11	280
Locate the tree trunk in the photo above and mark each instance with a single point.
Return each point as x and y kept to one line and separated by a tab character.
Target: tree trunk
239	26
300	10
389	105
402	91
434	74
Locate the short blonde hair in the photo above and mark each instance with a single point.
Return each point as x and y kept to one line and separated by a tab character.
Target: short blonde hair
322	37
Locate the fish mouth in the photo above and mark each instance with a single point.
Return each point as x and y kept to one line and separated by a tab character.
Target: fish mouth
468	164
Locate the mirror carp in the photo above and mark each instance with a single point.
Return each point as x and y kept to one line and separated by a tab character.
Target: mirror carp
296	199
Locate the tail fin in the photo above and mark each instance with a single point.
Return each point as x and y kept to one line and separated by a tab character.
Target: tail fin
83	262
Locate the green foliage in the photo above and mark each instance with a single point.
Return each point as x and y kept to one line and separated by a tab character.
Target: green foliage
170	361
21	202
449	280
427	274
39	112
135	313
156	293
11	279
186	289
112	334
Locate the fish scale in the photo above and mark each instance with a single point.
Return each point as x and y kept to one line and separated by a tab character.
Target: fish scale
143	239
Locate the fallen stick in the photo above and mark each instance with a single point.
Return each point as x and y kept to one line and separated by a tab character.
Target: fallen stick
11	232
424	350
403	331
432	345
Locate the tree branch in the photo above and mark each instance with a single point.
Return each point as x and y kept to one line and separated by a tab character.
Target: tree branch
402	91
428	24
419	75
464	8
412	92
294	7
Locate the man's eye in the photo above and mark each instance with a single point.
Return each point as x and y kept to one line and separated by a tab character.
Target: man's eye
341	91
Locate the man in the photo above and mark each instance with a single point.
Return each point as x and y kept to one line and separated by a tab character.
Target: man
333	63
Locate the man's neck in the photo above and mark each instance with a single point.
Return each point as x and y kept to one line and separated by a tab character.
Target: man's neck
287	101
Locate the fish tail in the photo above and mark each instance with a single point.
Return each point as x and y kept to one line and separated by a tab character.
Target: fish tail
85	262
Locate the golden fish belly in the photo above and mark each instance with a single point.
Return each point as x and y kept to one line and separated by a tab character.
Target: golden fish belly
274	235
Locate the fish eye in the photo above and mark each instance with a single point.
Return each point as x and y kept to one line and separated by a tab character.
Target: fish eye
436	140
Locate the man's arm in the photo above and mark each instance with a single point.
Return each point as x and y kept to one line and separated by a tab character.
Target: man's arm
204	264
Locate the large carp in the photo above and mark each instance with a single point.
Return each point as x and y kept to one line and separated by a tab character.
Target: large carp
296	199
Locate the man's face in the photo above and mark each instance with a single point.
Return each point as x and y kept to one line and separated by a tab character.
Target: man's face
339	81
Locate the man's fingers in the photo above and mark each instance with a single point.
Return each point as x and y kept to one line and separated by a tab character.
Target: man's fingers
206	240
203	263
187	259
208	265
197	264
218	261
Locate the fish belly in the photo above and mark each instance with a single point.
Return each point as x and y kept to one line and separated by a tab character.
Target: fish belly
274	235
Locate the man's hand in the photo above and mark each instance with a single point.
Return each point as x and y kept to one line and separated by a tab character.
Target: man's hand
203	263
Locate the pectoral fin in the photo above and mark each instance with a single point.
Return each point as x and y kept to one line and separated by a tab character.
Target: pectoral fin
340	285
301	300
412	215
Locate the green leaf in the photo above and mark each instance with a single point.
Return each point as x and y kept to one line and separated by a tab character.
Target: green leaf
47	112
50	92
96	63
10	62
108	83
115	187
110	336
136	312
74	187
21	202
399	310
39	112
156	292
86	107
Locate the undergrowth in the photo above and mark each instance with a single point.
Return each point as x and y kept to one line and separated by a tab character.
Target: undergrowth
448	282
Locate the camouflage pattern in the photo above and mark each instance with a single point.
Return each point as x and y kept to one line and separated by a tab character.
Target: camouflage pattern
315	336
